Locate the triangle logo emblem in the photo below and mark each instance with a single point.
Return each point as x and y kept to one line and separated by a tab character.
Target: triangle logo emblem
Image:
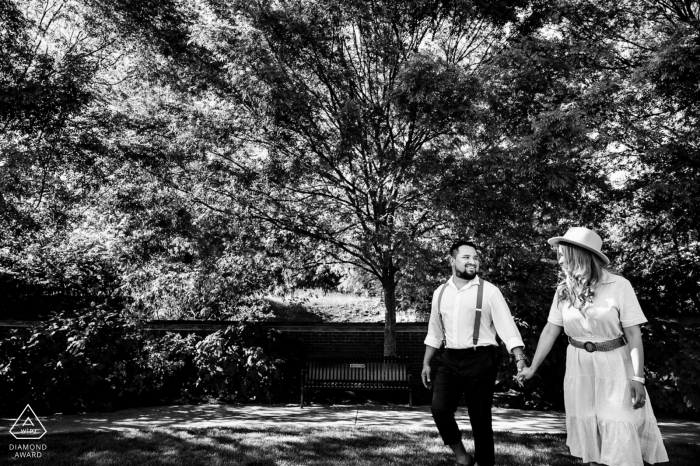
28	426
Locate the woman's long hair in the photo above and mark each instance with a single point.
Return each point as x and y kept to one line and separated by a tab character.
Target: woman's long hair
582	272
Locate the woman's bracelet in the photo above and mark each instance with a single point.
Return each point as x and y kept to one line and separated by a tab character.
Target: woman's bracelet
638	379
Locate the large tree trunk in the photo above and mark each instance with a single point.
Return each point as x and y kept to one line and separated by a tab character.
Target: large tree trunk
389	316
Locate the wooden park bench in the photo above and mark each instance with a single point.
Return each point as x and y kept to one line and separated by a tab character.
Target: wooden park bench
356	373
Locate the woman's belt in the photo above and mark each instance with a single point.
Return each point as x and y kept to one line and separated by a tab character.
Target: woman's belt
591	346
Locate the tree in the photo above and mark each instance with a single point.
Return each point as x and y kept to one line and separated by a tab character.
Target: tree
50	73
360	117
662	147
648	53
379	132
70	71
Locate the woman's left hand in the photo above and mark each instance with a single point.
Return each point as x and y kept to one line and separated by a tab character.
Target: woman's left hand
639	395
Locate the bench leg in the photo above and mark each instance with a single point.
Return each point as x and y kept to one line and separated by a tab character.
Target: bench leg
410	398
301	404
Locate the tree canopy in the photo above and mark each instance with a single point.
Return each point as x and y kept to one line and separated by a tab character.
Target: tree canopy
188	157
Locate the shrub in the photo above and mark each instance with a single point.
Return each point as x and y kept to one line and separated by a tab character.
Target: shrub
672	362
16	370
172	373
88	360
246	362
95	359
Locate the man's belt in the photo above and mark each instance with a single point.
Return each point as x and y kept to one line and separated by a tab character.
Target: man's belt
463	351
591	346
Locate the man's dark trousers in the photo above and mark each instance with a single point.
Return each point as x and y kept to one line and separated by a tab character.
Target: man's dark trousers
471	373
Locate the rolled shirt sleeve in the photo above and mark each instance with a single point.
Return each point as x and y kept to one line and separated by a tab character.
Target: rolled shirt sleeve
630	311
503	321
435	330
555	316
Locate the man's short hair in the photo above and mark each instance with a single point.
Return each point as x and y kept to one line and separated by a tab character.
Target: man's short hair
455	247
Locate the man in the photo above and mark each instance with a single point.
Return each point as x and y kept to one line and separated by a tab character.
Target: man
470	360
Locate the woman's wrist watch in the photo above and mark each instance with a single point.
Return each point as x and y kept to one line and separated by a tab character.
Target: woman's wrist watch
638	379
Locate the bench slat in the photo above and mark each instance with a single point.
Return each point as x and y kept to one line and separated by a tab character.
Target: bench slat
379	373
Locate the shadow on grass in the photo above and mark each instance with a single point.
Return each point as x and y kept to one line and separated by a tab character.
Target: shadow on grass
332	307
289	446
284	311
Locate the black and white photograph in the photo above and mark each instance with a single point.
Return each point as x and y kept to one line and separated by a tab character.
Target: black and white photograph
349	232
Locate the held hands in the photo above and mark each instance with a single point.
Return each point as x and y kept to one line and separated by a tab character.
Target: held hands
639	395
425	377
526	374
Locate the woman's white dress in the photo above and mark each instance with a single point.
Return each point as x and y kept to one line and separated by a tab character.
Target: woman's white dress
600	422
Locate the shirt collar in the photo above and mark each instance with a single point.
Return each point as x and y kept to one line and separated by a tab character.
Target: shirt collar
607	278
473	281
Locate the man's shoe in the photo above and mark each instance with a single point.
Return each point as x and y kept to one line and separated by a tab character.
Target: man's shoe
471	462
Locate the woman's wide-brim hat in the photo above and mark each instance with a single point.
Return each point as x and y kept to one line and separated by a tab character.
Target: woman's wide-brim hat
584	238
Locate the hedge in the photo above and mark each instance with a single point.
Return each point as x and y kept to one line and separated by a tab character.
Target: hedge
96	360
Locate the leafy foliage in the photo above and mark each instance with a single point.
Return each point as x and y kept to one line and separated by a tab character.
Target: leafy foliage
182	159
92	360
358	117
246	362
672	363
645	56
95	360
171	368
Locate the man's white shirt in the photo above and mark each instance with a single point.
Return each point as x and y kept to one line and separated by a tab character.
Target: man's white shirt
458	309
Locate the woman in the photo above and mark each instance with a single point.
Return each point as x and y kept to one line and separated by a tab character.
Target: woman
608	417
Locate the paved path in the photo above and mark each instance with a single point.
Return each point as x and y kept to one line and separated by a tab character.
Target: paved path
194	416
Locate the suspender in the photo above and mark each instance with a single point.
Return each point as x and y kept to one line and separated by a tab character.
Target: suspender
477	315
442	324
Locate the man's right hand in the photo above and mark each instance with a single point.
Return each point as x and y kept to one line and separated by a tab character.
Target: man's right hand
425	376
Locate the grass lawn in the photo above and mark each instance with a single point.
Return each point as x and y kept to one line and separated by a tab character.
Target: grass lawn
258	446
317	306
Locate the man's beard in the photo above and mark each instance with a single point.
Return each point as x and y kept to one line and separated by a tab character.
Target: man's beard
464	275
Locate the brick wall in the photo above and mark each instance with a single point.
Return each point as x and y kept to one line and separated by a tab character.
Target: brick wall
321	338
336	338
366	339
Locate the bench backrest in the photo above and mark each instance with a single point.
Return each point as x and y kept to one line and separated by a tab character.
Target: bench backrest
357	368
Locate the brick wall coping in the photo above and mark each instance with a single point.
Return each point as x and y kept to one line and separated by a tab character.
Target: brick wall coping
329	327
18	323
200	325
